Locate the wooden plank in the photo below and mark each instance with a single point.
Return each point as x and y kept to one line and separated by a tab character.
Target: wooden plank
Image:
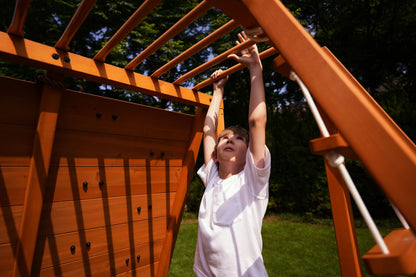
10	220
70	216
344	225
39	55
108	264
117	181
80	15
13	182
388	154
92	149
179	26
86	112
37	179
57	249
185	180
19	102
6	259
19	17
16	144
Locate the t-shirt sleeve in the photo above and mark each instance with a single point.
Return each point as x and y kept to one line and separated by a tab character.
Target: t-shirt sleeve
205	171
260	176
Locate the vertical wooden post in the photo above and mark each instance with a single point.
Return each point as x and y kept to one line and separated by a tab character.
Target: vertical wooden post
185	179
348	253
37	178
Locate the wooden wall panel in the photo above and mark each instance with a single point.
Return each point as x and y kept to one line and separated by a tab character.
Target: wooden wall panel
109	264
57	248
6	259
92	113
10	218
74	183
70	216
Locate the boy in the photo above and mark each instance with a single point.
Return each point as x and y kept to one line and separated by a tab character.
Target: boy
235	174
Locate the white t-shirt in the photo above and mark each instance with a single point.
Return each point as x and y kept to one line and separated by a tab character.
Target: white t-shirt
230	218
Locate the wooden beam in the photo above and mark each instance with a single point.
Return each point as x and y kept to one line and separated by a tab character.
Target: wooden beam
388	154
224	29
19	18
76	21
348	252
127	27
183	188
169	34
37	179
31	53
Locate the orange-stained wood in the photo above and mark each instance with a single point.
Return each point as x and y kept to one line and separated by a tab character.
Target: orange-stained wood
112	264
125	235
38	55
388	154
185	180
334	142
37	178
173	31
76	21
401	259
226	28
263	55
220	58
127	27
19	18
348	252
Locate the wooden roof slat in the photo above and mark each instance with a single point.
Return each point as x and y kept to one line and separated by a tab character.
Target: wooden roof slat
263	55
127	27
20	12
220	58
76	21
173	31
226	28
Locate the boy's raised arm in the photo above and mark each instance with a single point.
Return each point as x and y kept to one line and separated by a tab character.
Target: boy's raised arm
211	119
257	115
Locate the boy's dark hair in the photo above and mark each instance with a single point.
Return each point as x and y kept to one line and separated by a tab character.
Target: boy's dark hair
236	130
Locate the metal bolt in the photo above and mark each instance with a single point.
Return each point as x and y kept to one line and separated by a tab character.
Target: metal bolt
67	59
88	244
98	115
138	258
127	261
101	183
139	209
85	185
114	117
55	56
73	249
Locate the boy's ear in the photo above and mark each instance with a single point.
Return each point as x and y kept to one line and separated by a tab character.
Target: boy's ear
214	156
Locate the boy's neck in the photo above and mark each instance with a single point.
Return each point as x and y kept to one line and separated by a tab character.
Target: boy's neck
226	170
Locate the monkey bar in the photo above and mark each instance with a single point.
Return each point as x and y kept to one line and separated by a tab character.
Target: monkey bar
93	186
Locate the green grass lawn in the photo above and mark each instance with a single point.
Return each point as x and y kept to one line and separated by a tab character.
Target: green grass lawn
289	248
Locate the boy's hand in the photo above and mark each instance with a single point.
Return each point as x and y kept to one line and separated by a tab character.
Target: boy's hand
250	56
220	83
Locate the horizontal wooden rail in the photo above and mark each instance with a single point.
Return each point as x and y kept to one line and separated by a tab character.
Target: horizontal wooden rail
42	56
169	34
226	28
127	27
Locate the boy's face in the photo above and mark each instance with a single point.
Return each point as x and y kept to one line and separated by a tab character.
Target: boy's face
231	147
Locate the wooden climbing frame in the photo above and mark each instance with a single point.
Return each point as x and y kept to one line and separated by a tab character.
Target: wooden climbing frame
92	186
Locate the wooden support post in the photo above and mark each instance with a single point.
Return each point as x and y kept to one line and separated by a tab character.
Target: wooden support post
183	188
37	178
348	253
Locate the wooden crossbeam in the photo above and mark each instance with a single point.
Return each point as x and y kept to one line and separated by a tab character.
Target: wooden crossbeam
173	31
127	27
76	21
226	28
42	56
